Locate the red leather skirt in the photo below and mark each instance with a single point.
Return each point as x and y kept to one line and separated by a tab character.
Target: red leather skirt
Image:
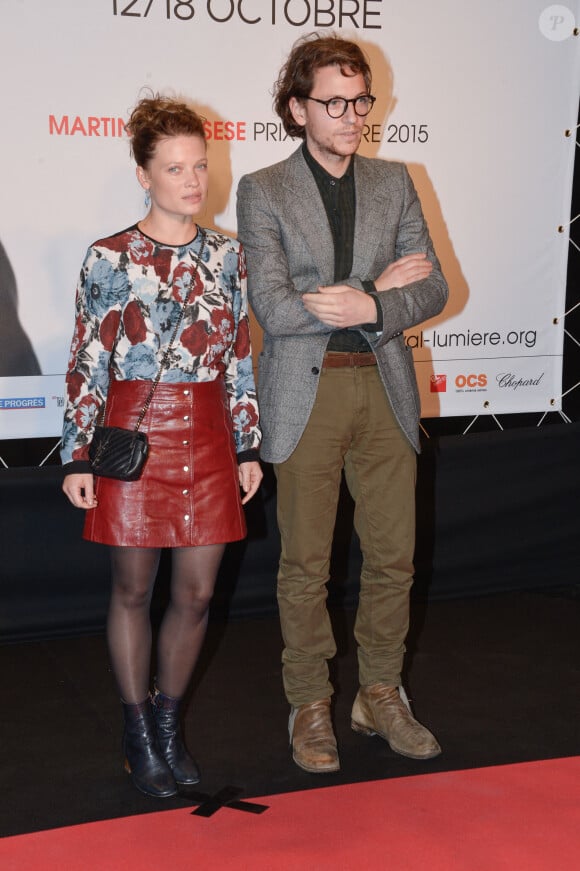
189	491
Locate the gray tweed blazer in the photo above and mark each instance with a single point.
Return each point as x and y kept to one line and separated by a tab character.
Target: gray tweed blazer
285	232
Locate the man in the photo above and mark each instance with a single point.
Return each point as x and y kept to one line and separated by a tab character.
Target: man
339	263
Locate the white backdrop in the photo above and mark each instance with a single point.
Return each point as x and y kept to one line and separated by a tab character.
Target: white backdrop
475	95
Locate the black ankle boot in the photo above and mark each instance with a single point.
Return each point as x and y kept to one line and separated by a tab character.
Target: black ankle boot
166	716
143	759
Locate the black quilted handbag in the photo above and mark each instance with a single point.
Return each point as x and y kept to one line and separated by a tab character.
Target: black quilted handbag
118	453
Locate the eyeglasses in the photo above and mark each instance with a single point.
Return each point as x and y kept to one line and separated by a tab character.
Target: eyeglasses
337	106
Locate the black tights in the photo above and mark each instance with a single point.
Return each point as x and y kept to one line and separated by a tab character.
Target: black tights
193	574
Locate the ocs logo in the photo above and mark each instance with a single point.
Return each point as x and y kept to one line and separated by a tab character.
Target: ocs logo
472	381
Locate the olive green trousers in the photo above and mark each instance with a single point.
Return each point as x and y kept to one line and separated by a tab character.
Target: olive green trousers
352	427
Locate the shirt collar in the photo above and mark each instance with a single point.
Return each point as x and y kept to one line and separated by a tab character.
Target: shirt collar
321	173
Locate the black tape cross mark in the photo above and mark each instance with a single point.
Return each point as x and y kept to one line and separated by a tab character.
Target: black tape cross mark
226	797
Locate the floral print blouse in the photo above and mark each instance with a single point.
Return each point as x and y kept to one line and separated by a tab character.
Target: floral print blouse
129	297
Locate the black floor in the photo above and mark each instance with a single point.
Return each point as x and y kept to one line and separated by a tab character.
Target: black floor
496	678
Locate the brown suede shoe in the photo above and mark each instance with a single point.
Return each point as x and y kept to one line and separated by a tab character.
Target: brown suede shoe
312	738
381	710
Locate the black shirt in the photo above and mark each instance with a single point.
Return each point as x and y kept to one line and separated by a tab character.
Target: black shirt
338	197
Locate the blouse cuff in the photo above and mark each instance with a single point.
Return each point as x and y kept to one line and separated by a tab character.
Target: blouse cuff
77	467
250	456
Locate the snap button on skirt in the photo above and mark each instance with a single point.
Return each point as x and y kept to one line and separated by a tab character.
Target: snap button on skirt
188	494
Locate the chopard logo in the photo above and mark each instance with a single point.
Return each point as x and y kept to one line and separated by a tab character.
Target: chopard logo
512	382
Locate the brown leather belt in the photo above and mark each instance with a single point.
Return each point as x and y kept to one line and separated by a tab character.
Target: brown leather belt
336	359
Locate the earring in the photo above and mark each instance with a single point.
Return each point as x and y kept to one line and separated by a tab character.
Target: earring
147	198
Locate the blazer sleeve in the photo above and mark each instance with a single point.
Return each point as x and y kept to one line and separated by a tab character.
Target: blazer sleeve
405	307
275	299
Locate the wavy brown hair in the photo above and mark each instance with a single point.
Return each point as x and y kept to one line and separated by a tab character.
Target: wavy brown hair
309	54
157	117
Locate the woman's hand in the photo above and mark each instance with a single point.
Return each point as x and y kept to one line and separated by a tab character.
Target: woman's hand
80	490
250	479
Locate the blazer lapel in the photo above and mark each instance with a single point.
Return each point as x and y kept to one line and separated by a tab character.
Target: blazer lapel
306	209
372	216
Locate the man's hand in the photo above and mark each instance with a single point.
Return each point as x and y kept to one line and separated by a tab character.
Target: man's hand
405	270
80	490
341	306
250	478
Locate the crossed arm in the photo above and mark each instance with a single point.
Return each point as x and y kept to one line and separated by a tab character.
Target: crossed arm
342	306
410	288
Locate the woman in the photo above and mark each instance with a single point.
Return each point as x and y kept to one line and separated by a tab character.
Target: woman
202	426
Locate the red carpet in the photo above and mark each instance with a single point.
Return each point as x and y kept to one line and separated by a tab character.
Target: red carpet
524	816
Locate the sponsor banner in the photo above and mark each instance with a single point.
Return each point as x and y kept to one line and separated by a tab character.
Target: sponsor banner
487	386
480	123
488	370
31	405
